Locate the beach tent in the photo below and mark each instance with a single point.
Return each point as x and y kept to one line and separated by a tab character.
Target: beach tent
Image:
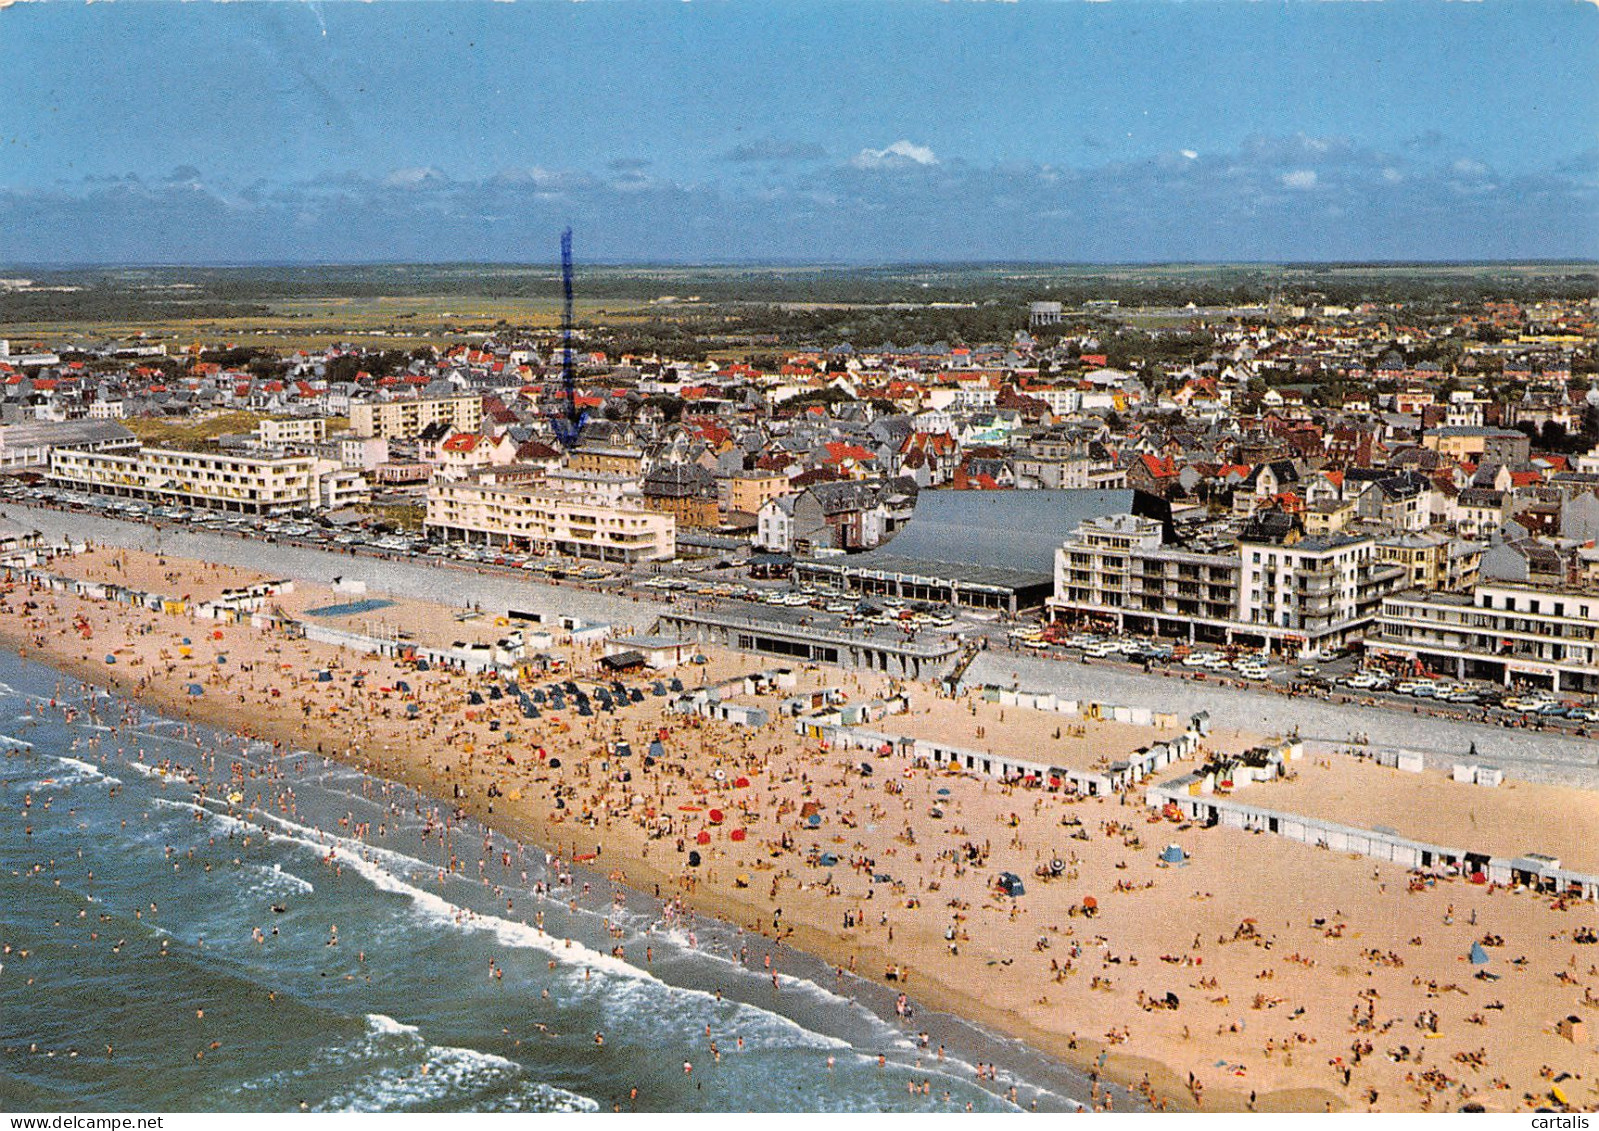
693	859
1011	884
538	695
814	820
110	659
676	684
658	688
635	696
827	860
496	693
421	665
703	838
196	689
1479	956
584	710
324	676
401	685
1172	855
656	749
473	699
943	793
529	711
624	749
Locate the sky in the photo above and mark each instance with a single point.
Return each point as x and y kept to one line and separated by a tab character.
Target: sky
851	131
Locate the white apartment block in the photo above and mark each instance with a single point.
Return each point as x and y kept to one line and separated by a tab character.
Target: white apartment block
290	431
222	481
1115	574
1504	632
533	516
405	419
107	410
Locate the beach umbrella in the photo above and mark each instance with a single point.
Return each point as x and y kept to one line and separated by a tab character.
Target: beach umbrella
186	640
196	689
717	816
1011	884
693	859
110	659
555	763
538	695
473	698
658	688
741	783
943	793
737	834
1479	956
814	820
496	693
703	838
412	709
584	710
635	696
529	711
1172	854
827	860
677	684
401	685
1090	903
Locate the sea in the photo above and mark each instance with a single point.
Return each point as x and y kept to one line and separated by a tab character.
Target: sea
192	921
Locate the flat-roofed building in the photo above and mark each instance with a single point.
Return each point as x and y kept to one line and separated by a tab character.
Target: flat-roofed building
29	443
405	419
1499	631
291	431
220	480
523	512
1115	573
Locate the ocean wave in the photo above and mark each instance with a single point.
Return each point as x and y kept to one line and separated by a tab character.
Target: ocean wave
87	771
396	1068
7	742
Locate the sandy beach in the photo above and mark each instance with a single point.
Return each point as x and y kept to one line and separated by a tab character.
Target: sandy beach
1257	972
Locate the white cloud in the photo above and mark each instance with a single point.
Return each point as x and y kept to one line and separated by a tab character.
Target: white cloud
1300	179
1189	153
901	155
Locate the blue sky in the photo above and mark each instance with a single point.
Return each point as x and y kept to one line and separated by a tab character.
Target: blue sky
853	130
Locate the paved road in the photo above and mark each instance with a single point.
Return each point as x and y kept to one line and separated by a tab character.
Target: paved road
1528	754
426	579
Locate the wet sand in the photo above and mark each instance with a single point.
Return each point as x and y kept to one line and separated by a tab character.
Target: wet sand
1304	978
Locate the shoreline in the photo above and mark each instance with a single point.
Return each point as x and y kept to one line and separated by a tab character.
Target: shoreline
704	909
1082	1055
452	747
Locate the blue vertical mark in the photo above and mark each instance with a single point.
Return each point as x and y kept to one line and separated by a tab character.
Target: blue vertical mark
568	428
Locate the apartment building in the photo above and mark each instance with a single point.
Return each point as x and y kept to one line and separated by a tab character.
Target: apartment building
1506	632
1431	561
223	481
1114	573
611	461
291	431
405	419
525	513
749	491
1314	591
